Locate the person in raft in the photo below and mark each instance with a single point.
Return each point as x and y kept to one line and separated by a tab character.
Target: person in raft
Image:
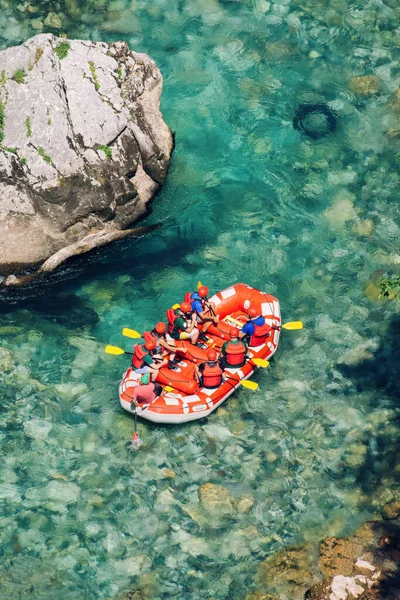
144	357
146	392
185	324
256	330
233	352
209	373
165	347
204	309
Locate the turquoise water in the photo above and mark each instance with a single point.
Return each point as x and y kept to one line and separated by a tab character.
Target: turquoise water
248	198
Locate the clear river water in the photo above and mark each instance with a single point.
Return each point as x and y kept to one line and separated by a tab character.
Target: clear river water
309	214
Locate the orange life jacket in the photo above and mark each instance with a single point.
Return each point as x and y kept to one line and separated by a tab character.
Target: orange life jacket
139	352
235	354
148	336
260	335
212	375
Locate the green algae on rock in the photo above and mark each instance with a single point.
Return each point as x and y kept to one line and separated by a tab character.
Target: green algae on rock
67	123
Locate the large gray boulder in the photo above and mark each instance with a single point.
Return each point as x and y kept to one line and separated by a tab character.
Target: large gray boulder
83	150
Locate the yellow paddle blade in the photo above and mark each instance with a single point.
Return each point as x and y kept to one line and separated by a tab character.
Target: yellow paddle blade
131	333
260	362
168	388
251	385
114	350
175	306
293	325
199	285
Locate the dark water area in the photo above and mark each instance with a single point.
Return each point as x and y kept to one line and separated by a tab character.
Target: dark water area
312	219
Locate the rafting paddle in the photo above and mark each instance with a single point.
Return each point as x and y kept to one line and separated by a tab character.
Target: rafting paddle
292	325
131	333
136	441
250	385
115	350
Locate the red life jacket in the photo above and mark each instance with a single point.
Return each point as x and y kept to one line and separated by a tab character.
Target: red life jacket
260	335
171	316
235	354
149	337
212	375
139	352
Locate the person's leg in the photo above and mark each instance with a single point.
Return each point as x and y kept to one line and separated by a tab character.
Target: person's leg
206	325
157	389
153	373
194	336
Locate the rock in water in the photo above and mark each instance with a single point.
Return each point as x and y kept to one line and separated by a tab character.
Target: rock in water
83	146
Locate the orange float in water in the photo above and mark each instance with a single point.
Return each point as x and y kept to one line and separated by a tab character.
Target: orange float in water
186	401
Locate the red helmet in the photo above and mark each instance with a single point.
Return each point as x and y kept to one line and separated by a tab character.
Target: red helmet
150	345
203	291
212	354
161	327
185	307
234	332
252	311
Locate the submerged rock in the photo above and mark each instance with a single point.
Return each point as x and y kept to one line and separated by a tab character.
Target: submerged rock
338	555
293	568
216	499
84	147
365	85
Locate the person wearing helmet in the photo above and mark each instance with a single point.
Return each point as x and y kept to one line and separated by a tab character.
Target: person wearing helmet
233	352
209	373
204	310
166	346
256	330
146	360
185	324
146	392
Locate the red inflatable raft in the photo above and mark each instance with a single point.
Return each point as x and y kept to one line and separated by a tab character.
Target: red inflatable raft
186	401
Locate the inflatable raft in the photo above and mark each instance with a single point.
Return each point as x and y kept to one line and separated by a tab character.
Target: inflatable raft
183	400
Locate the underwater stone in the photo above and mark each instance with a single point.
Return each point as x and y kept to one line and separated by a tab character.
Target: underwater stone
293	566
63	492
337	556
53	21
217	499
392	510
245	503
133	566
37	429
365	85
6	359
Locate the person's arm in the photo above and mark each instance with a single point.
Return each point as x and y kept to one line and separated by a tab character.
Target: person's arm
165	345
189	328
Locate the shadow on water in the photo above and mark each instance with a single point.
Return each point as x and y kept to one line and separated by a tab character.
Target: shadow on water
380	374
